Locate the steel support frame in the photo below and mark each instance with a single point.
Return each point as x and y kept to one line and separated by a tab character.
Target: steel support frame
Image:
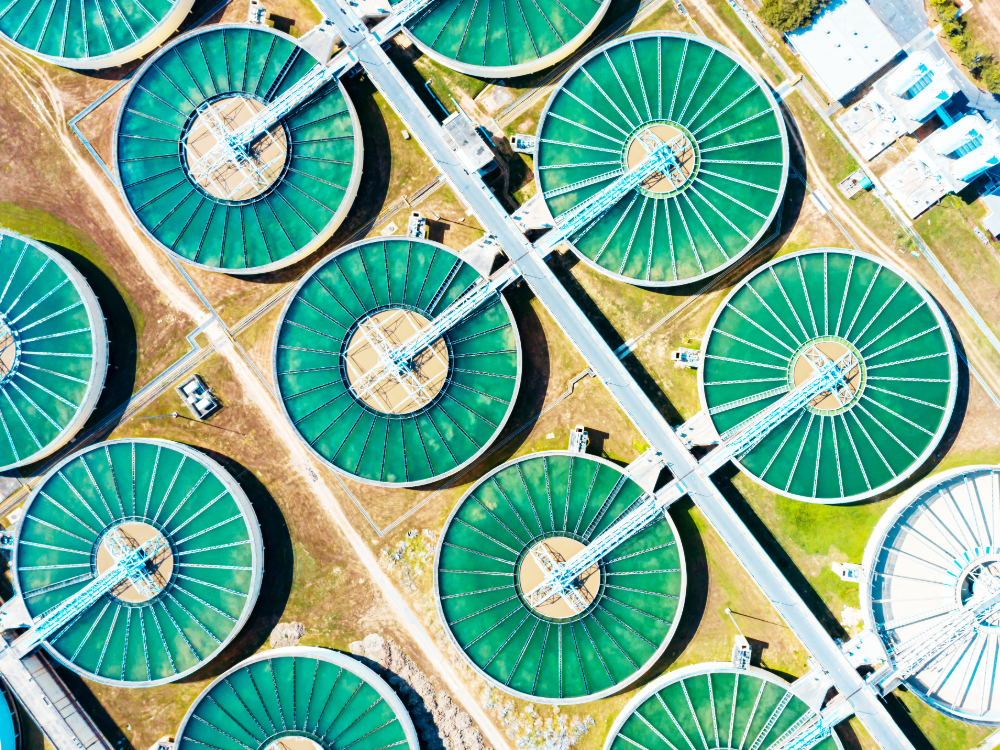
661	156
130	566
233	146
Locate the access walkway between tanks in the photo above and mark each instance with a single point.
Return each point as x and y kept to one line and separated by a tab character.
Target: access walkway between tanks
43	695
618	381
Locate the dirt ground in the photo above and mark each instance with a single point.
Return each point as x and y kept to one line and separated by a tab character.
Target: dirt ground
54	191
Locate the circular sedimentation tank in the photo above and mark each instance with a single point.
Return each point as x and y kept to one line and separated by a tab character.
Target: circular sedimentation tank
711	705
819	306
554	653
297	699
460	390
206	579
729	148
923	562
503	38
304	171
53	351
101	34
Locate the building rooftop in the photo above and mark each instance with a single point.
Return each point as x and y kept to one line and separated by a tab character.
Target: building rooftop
469	144
944	162
845	46
992	219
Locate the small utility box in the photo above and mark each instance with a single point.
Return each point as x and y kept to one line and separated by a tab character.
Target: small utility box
578	440
201	401
741	653
684	357
416	226
848	572
522	143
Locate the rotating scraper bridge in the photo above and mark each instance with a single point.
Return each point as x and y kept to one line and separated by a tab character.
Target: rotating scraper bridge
137	561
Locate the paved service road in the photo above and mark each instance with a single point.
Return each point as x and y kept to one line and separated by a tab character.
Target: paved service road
615	377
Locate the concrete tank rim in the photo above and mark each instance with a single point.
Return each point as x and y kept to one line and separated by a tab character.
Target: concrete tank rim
876	542
142	46
350	663
492	682
468	463
99	334
512	71
300	254
246	511
692	670
775	108
932	305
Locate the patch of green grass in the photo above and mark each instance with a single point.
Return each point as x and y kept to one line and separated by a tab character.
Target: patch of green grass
527	121
665	18
446	83
46	228
826	149
728	15
409	166
941	732
948	229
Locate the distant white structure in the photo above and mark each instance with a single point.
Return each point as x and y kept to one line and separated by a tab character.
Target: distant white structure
899	103
992	219
944	162
578	440
416	226
848	572
845	45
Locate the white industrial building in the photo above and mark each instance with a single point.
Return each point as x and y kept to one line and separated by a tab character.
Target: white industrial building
845	46
945	162
899	103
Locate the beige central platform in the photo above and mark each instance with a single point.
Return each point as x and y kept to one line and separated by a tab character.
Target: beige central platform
8	349
294	743
658	182
430	367
803	369
267	153
159	568
562	549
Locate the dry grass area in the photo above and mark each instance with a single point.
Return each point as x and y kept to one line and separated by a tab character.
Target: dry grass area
447	221
984	24
46	196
